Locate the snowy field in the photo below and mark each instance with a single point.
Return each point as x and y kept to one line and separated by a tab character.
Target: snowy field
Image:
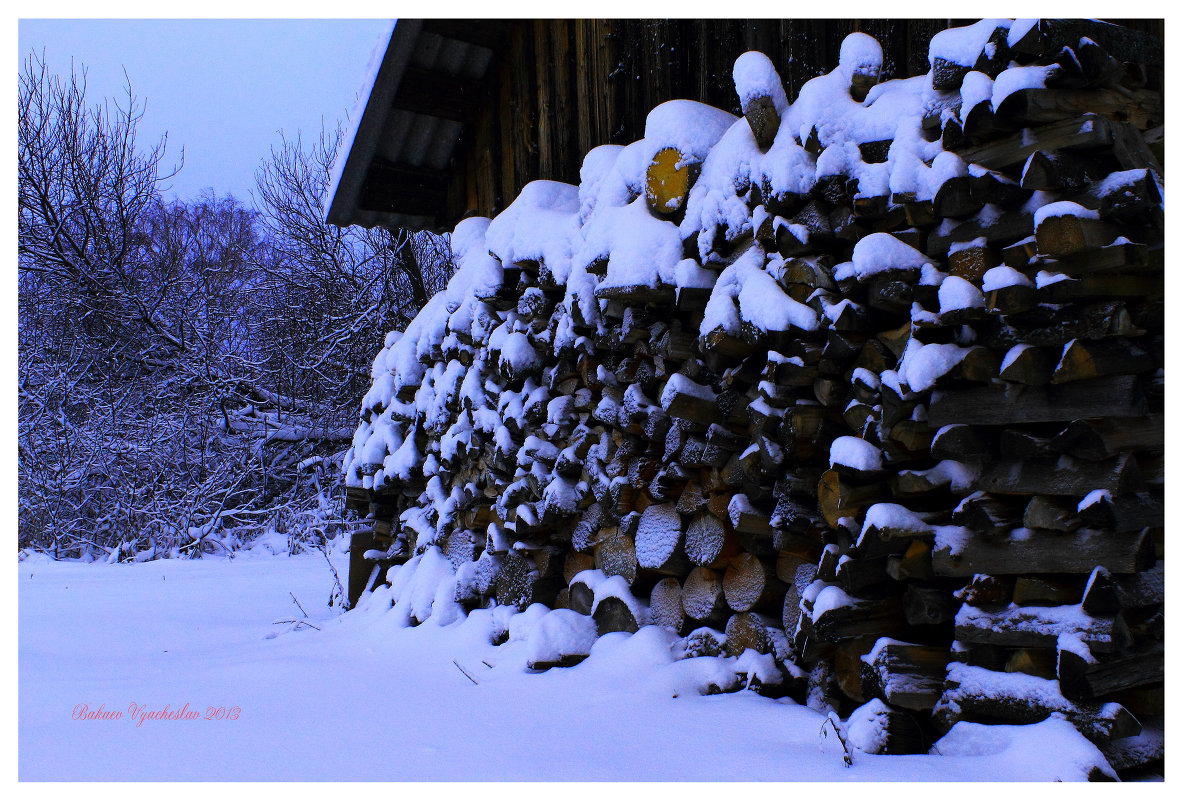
365	699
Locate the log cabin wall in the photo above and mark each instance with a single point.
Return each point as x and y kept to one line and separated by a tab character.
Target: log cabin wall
558	88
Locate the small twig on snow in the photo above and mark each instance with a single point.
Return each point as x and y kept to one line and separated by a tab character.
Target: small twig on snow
465	672
297	602
847	759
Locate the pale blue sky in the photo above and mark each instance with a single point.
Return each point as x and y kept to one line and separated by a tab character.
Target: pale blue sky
223	89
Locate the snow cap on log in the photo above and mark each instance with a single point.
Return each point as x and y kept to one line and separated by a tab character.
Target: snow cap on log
761	95
860	58
855	453
540	225
756	77
881	253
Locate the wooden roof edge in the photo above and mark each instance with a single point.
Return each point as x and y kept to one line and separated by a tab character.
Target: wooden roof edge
355	156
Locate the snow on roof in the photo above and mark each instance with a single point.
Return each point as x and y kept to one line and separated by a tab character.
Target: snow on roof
353	121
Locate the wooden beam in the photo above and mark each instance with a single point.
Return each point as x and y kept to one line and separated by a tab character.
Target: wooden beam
435	94
403	189
481	32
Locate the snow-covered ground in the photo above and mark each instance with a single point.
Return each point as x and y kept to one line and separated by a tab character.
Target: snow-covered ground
363	698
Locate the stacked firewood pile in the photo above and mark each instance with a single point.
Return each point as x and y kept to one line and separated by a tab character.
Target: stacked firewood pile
887	408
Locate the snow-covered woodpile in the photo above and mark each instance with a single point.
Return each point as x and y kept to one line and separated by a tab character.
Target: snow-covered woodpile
869	383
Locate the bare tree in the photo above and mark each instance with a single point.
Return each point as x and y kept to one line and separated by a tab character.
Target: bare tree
189	371
352	285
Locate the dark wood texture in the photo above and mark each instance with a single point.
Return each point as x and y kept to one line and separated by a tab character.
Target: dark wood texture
557	88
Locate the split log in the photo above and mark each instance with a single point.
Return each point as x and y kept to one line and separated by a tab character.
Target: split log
1053	170
1086	132
702	597
1137	197
846	659
617	556
1044	552
1083	677
827	563
1117	396
587	532
667	181
858	617
905	675
976	693
1046	590
1133	152
957	441
763	118
803	575
1063	477
943	477
1039	662
364	574
760	633
1063	235
987	591
1013	299
581	595
793	516
691	402
948	74
750	584
928	605
915	564
747	519
612	613
692	500
1104	439
1123	513
971	261
915	437
988	514
665	605
883	730
980	122
837	498
517	582
1028	365
1084	360
1040	627
1107	594
1148	747
954	198
659	541
1049	513
708	542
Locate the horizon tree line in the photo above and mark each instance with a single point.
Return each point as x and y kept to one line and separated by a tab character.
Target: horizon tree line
189	370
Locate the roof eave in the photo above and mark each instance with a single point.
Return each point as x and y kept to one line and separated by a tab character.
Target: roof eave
358	153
